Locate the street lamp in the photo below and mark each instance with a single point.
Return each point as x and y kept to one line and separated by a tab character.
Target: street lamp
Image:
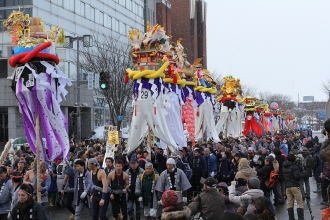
87	42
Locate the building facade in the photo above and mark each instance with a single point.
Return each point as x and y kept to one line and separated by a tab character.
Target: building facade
185	19
77	18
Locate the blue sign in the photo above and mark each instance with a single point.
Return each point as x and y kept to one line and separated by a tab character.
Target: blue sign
120	118
322	115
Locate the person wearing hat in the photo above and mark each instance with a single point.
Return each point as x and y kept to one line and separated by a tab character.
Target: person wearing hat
99	199
21	166
82	187
119	184
17	180
246	199
45	182
160	160
146	193
5	193
133	174
173	179
199	170
292	177
244	170
210	203
27	208
172	210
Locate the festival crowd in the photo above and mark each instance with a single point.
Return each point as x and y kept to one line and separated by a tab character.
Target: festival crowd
237	178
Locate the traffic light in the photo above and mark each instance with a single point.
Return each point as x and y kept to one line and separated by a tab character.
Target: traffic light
104	81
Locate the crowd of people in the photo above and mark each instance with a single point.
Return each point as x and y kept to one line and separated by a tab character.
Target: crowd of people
232	179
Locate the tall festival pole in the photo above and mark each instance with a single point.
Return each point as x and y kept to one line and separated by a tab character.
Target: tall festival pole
38	157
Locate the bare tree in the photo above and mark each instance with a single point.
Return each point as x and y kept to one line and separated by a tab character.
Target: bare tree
284	101
249	90
111	56
326	86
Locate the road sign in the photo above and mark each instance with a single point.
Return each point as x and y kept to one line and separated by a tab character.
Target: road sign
308	98
120	118
322	114
90	79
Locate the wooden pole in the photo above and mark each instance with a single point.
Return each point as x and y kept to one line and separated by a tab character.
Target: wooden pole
37	128
5	152
149	142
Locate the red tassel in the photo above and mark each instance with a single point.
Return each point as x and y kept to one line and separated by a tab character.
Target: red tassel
246	101
126	78
175	79
135	110
154	110
197	113
199	74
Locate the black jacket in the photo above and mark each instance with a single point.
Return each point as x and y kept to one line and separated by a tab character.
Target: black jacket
291	174
263	175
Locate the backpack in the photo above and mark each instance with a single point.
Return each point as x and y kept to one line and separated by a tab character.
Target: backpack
273	179
187	170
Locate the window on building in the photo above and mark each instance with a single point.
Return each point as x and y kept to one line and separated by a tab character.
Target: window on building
122	2
109	20
58	2
3	68
69	5
101	20
82	9
92	14
77	7
128	4
97	16
105	20
115	24
87	12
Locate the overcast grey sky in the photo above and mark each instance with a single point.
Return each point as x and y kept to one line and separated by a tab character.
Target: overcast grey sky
279	46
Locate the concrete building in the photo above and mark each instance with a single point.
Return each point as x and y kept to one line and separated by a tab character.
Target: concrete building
77	18
185	19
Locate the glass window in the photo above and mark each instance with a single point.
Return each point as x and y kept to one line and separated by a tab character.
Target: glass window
69	5
101	18
128	4
97	16
82	9
109	20
115	24
105	20
92	14
122	2
77	7
88	12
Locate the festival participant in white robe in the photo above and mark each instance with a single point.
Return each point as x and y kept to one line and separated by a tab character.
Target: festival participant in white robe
173	179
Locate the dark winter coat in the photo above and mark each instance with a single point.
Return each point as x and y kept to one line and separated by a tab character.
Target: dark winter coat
38	212
263	175
326	170
325	151
280	159
178	213
291	174
210	203
317	161
198	167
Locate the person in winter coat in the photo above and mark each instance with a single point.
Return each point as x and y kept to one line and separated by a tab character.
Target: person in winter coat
244	170
325	183
210	203
172	210
227	168
284	147
280	186
262	209
317	169
198	167
229	206
246	199
308	163
6	186
263	175
211	163
325	148
292	178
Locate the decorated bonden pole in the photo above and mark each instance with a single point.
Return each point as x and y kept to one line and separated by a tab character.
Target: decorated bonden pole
39	86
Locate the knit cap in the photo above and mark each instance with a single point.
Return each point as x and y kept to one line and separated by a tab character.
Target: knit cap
169	198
